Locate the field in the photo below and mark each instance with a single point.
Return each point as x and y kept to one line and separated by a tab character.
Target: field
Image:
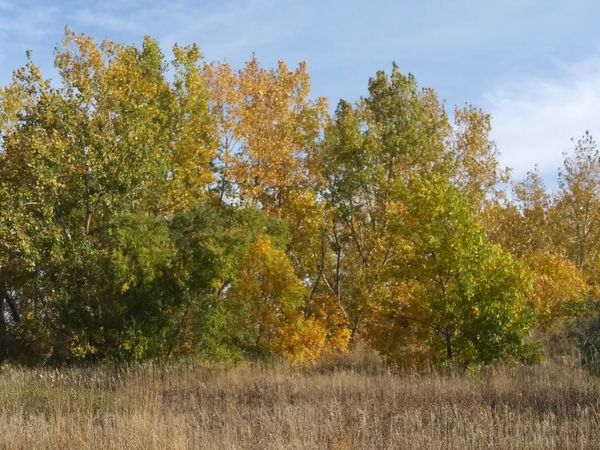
355	403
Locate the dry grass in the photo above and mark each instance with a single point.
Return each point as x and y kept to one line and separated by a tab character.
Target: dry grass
353	406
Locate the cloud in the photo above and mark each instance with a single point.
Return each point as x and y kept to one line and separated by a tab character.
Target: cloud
535	119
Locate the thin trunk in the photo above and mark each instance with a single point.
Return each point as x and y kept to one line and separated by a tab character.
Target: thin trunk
354	331
88	222
448	335
13	308
3	346
338	257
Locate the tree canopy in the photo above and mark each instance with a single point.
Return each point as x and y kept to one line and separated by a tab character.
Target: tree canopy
154	208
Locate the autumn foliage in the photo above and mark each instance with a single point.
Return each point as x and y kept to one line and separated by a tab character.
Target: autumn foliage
157	209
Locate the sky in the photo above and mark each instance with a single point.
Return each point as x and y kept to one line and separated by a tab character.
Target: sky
533	64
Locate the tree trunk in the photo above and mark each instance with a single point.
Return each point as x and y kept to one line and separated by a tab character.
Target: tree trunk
13	308
3	343
448	335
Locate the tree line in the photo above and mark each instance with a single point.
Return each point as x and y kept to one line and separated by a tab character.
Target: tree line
154	208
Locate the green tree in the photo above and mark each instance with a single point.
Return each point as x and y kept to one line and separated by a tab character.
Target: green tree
212	243
371	153
113	144
368	153
461	295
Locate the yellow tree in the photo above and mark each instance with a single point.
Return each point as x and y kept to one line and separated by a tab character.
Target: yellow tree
525	224
268	301
268	127
474	154
530	227
559	287
578	207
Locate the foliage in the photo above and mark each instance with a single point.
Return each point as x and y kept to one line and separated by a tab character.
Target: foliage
588	339
90	170
460	296
154	209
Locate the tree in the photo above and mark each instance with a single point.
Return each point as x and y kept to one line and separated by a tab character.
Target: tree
268	127
559	288
368	153
578	207
211	243
114	139
475	156
268	157
464	297
371	154
267	295
154	209
529	227
271	314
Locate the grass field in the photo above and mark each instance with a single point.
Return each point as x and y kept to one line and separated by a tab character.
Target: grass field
337	406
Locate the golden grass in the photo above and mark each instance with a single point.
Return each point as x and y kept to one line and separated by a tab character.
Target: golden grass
352	406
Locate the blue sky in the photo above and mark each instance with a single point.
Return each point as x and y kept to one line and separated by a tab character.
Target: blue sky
533	64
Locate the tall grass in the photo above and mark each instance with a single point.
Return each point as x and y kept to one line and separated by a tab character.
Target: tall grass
350	404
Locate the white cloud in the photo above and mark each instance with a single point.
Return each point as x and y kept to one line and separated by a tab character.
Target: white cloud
535	119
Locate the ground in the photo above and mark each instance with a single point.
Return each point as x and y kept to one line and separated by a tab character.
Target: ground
356	405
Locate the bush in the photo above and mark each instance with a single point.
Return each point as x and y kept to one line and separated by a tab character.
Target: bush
588	339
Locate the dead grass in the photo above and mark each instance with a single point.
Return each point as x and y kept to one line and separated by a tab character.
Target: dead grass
346	406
